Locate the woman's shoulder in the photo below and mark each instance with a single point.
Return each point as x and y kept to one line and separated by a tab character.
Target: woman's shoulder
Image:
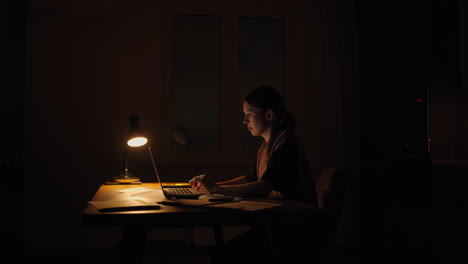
287	137
286	141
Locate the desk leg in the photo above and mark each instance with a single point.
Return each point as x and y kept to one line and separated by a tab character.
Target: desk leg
218	235
132	245
271	242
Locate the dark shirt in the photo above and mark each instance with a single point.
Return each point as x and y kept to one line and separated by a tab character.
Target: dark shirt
288	172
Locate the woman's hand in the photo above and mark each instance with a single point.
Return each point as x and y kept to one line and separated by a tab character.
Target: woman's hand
203	180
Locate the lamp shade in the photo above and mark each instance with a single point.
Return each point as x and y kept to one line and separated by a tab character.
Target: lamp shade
137	141
136	137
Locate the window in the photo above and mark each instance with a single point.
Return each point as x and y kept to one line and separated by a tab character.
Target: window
196	82
213	59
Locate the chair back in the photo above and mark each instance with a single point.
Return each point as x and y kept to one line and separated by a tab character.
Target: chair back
330	189
322	185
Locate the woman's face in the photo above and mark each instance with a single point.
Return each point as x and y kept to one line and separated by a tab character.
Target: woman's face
256	120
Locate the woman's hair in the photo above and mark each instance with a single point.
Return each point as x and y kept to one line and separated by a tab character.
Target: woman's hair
265	97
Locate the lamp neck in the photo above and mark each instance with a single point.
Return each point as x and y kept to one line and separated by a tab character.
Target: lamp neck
126	159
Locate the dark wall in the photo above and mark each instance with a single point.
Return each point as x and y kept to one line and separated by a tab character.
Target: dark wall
91	64
449	92
410	76
11	132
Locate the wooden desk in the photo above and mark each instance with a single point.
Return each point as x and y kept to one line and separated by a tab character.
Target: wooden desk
136	223
291	212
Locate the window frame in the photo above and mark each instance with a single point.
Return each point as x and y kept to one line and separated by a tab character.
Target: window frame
229	152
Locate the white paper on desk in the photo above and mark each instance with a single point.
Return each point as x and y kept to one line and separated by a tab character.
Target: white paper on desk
135	190
246	205
118	203
203	200
190	202
149	196
206	197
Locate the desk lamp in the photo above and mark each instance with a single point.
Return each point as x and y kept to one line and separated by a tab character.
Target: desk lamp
135	139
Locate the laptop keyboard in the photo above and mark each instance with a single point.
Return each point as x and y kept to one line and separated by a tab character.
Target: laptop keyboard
178	191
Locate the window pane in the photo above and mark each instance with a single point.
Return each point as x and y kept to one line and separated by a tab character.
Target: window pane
196	91
261	62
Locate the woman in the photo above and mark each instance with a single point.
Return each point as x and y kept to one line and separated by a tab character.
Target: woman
279	170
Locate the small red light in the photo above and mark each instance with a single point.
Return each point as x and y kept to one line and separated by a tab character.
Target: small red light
419	101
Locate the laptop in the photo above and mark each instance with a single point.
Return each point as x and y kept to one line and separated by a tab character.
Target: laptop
180	192
177	191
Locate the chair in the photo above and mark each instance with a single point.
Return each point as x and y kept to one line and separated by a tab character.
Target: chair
330	188
320	236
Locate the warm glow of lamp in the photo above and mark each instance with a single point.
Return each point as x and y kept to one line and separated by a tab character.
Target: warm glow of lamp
137	141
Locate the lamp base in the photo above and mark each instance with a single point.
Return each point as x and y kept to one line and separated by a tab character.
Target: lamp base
125	178
123	183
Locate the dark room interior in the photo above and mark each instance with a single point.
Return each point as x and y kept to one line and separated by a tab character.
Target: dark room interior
379	91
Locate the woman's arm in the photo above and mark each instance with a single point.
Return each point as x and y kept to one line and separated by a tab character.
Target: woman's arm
239	180
251	189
